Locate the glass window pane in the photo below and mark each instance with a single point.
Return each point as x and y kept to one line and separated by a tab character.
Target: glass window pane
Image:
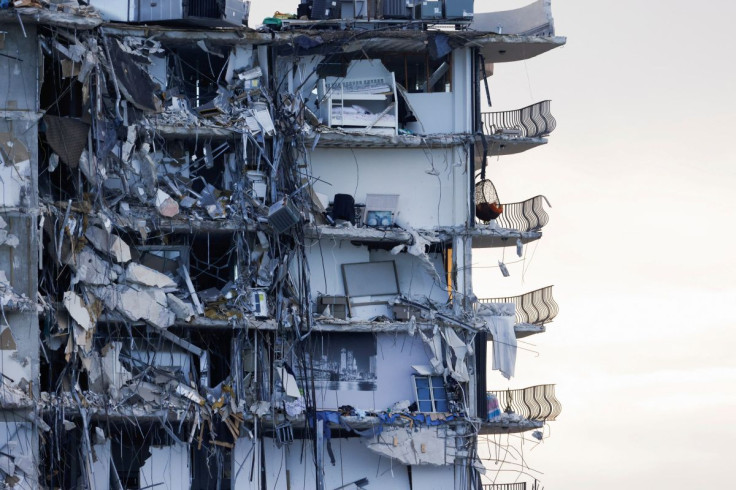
423	394
425	406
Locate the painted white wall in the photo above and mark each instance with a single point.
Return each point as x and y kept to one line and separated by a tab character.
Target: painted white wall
246	469
15	366
168	465
101	465
327	278
17	143
395	355
462	90
353	461
19	80
431	183
433	477
246	465
415	280
427	107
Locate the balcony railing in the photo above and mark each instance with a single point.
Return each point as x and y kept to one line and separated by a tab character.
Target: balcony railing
533	121
504	486
536	307
533	403
527	215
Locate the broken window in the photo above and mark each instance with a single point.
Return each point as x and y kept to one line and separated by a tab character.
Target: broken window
431	394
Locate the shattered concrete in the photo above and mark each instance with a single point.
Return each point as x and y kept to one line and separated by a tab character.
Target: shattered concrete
170	230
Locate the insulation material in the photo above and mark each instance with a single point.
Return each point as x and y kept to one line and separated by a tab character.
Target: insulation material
67	136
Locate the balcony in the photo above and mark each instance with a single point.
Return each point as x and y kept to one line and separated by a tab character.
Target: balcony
534	403
522	220
520	33
522	410
526	215
505	486
533	310
514	131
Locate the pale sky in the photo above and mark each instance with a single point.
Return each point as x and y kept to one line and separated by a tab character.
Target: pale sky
641	178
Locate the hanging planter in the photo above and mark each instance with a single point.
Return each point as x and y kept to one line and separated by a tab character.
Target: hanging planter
487	206
486	211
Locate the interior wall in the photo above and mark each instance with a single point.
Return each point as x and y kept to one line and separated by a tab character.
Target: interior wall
416	279
395	354
293	466
427	477
167	468
431	183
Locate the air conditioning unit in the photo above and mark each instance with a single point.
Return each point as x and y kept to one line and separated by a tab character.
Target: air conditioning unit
258	303
459	9
231	11
428	9
397	9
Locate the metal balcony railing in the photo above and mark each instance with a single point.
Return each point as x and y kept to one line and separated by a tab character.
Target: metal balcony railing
533	403
533	121
504	486
536	307
527	215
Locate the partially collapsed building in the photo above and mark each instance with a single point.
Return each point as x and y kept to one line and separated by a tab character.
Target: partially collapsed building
236	258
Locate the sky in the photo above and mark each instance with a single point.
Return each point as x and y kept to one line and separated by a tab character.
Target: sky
641	177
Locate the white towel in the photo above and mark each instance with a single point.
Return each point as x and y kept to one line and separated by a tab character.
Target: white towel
504	343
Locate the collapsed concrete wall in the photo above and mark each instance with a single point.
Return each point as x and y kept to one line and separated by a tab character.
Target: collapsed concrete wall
196	292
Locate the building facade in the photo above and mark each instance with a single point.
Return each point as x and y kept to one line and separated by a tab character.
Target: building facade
236	258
